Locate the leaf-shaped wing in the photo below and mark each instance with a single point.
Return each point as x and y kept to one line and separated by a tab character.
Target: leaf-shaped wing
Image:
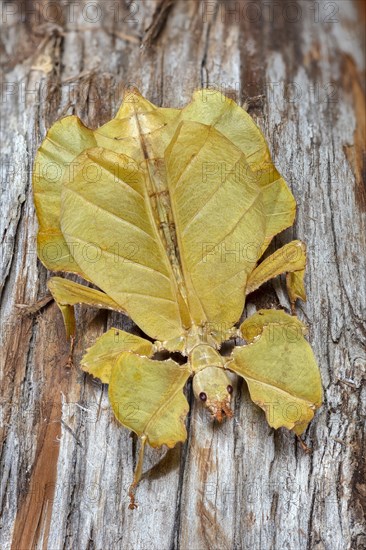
147	397
140	130
143	131
107	215
101	357
66	139
213	108
281	372
218	214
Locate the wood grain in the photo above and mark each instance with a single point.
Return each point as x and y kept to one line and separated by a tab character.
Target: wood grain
65	463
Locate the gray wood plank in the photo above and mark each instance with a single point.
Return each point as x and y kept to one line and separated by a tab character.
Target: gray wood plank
65	463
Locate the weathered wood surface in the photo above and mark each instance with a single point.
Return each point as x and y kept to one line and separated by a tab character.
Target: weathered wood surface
66	465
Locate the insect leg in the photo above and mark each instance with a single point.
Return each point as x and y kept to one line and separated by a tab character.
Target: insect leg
290	259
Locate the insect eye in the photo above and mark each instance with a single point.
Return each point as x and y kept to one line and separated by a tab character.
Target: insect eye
203	396
230	389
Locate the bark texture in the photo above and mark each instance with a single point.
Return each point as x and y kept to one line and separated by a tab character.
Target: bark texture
65	463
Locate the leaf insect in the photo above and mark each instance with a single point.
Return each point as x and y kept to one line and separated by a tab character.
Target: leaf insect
169	213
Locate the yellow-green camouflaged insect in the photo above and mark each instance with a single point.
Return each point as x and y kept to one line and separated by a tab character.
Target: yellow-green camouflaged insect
169	213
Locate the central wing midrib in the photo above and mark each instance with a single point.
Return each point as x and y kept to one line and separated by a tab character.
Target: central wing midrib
165	235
